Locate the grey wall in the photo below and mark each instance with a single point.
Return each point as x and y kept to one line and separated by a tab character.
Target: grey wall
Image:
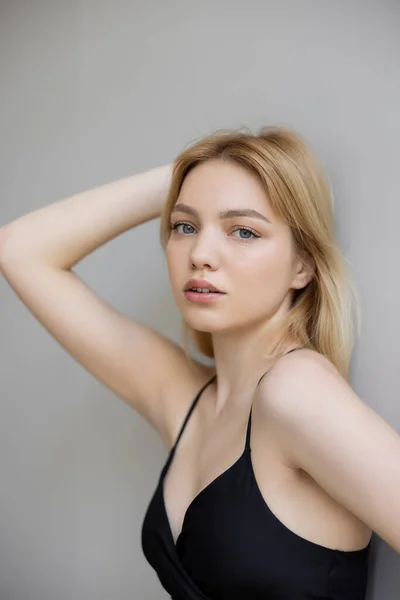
92	91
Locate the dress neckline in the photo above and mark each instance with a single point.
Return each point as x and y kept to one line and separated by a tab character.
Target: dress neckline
246	452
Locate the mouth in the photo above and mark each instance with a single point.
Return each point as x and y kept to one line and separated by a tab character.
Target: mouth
202	286
202	295
203	290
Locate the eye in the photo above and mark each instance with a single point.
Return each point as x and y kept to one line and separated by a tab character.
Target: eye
178	224
247	230
175	228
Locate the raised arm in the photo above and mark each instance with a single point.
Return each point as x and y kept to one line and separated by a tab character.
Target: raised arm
37	253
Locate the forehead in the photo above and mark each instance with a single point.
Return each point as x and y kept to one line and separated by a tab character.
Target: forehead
224	184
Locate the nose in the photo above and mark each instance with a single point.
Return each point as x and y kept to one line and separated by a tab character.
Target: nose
204	252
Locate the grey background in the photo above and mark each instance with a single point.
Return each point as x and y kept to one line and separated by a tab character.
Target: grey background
92	91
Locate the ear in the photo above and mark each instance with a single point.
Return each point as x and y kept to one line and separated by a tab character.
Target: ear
304	271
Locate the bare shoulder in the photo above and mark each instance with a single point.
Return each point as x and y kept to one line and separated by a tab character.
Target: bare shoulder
327	431
296	390
302	368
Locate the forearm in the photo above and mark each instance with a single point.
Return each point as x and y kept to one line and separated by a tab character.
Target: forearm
63	233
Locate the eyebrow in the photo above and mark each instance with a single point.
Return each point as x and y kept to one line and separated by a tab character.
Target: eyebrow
228	214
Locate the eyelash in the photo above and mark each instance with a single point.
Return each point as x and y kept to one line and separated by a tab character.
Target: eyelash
174	227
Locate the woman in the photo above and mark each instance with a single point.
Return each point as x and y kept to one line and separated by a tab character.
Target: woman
270	486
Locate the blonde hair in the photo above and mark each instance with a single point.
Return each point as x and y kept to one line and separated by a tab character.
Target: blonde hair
321	316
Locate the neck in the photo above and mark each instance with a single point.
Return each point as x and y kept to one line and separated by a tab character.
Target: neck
241	357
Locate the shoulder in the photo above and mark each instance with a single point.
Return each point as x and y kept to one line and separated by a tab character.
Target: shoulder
298	371
326	430
303	390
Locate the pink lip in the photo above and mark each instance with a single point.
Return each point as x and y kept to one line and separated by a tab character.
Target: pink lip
201	283
202	297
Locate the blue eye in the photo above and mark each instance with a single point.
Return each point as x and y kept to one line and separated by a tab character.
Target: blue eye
248	230
253	233
175	227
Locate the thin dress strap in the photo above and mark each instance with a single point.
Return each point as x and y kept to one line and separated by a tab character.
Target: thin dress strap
248	430
191	410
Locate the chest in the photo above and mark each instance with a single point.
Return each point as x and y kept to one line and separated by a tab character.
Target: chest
232	545
205	465
203	454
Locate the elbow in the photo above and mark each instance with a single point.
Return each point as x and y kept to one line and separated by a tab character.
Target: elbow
4	236
8	250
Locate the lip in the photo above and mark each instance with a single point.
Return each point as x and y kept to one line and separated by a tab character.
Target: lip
201	283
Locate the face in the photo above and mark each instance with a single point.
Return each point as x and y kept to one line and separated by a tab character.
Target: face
250	257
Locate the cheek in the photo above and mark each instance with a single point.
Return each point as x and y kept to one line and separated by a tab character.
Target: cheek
256	269
263	279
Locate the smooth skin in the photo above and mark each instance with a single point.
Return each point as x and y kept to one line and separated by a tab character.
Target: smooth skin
252	260
37	255
311	436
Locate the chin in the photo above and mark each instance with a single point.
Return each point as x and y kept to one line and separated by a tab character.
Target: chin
204	323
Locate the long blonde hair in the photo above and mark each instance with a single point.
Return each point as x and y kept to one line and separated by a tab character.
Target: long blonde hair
323	313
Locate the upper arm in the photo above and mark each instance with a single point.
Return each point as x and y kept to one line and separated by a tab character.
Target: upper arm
330	433
141	366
